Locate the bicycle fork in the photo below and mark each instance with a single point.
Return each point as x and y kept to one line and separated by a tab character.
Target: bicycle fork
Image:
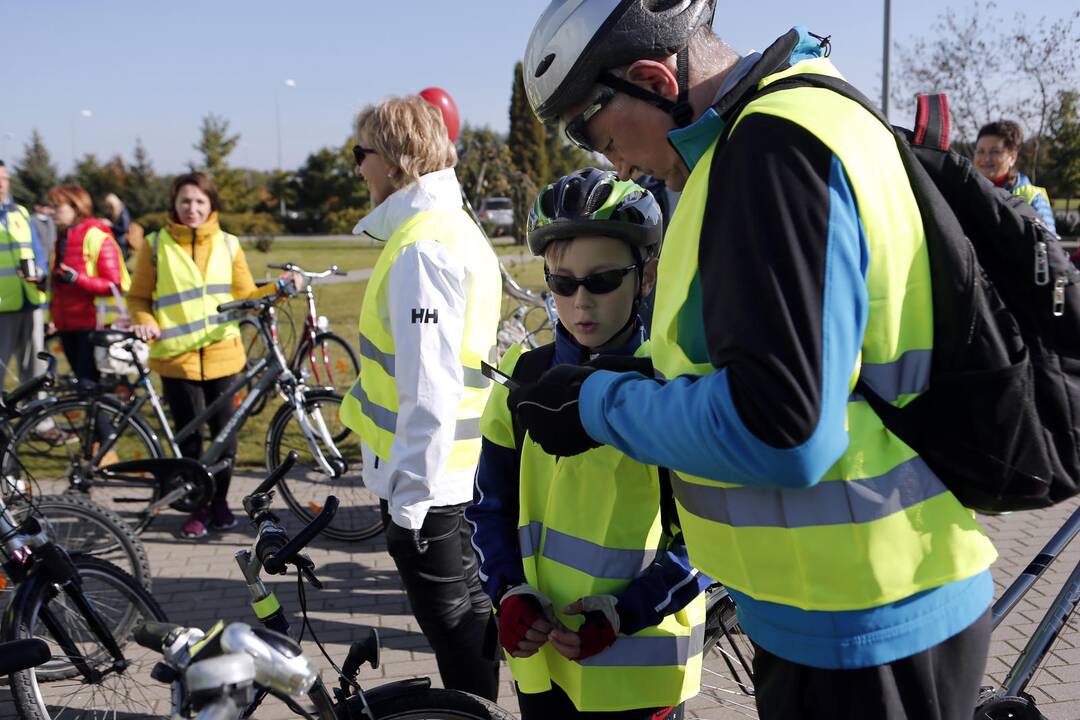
313	426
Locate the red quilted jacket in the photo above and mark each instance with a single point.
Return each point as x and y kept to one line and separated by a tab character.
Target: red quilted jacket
72	304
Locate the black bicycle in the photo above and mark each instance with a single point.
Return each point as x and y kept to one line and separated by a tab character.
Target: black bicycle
246	665
146	481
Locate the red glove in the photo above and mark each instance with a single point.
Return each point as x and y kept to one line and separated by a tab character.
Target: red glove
596	635
520	612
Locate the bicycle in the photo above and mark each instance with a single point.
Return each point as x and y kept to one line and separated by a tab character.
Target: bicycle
330	360
267	662
727	674
141	487
519	326
86	609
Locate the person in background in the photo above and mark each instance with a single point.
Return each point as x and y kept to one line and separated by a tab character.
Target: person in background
997	151
120	218
182	274
589	542
45	226
429	317
23	264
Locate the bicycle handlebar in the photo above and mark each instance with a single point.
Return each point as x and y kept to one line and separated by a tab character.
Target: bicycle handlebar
292	267
275	563
279	472
256	304
152	635
23	655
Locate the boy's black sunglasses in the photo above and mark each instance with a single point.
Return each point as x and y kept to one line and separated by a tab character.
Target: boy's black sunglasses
598	283
358	153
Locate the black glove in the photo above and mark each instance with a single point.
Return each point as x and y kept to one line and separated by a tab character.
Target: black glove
548	409
66	275
623	363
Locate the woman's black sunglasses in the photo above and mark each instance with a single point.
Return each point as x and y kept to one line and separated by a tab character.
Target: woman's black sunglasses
598	283
358	153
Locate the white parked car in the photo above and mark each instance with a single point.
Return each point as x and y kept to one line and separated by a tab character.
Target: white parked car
496	215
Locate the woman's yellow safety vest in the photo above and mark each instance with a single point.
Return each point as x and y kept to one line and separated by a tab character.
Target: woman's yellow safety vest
879	526
370	409
1029	192
106	304
16	245
185	302
589	525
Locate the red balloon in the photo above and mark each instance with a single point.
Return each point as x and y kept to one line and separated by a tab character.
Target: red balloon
442	100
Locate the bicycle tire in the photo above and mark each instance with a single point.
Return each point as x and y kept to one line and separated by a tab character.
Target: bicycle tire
335	368
72	520
726	673
34	697
437	704
306	486
52	465
254	350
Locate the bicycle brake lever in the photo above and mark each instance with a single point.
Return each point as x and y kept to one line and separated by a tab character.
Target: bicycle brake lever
307	569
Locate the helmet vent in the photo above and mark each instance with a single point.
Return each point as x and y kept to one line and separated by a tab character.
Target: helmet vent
544	65
597	198
661	6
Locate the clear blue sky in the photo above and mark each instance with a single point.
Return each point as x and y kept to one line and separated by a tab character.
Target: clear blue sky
154	69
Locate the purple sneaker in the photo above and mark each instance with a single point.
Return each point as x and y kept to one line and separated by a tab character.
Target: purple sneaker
195	527
221	518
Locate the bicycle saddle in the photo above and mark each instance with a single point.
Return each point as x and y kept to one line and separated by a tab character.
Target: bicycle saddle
105	338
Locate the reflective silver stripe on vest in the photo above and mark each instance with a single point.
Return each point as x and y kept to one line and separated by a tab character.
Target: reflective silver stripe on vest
188	328
529	538
384	418
385	360
650	651
910	374
185	295
595	560
468	429
8	272
475	378
834	502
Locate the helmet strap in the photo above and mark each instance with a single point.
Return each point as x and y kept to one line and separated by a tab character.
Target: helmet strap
681	111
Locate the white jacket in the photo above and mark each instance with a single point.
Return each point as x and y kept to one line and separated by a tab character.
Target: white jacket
428	370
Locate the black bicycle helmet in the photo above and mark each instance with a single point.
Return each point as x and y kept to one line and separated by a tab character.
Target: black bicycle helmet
575	43
595	202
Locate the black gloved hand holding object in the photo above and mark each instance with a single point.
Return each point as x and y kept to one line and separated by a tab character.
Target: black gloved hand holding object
622	363
548	410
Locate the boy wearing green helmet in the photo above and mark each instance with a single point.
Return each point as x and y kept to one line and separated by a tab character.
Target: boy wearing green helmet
599	609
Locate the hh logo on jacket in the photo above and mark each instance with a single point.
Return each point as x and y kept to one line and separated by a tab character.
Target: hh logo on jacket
425	315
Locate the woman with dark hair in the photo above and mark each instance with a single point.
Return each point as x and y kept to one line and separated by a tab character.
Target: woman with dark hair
996	153
182	273
87	264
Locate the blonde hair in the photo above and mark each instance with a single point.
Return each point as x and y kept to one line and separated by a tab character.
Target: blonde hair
409	134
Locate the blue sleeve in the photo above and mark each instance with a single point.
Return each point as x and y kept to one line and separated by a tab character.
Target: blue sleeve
694	424
1046	212
39	251
494	518
666	586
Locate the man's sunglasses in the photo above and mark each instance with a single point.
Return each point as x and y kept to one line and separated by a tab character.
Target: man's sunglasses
599	283
358	153
577	129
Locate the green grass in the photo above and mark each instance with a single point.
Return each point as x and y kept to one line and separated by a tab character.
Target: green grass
312	256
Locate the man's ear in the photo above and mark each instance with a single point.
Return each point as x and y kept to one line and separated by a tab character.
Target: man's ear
655	76
648	276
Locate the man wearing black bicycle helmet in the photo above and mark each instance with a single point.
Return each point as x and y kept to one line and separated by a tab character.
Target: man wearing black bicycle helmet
611	574
795	264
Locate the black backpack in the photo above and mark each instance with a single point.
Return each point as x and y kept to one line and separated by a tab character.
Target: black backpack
999	421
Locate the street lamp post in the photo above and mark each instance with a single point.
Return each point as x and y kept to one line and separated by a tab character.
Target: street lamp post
84	113
885	61
289	82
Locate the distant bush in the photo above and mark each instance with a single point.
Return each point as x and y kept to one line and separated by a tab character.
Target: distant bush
245	223
341	222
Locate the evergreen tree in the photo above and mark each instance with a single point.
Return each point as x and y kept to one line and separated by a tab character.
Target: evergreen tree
99	180
564	157
215	145
527	141
35	173
146	192
1064	156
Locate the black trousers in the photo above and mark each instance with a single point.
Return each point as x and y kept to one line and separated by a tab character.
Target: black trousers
941	683
187	399
557	704
443	585
79	352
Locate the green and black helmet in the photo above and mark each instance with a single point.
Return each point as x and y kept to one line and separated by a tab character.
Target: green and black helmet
595	202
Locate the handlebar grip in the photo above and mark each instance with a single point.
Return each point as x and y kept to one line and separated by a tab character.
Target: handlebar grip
23	655
281	266
31	386
276	563
235	305
279	472
152	635
268	549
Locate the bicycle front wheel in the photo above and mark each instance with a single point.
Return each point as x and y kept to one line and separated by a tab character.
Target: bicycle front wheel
727	666
111	688
80	526
57	449
330	362
305	488
437	704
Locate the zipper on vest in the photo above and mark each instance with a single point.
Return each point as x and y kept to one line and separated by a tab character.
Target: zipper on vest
202	364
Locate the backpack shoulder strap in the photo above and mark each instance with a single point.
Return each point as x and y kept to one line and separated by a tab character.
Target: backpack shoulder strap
932	121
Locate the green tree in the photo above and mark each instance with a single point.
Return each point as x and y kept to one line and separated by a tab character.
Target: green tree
1064	155
484	164
527	141
99	180
146	192
327	191
235	188
35	173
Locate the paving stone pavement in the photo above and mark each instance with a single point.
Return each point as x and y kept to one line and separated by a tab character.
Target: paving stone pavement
199	582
